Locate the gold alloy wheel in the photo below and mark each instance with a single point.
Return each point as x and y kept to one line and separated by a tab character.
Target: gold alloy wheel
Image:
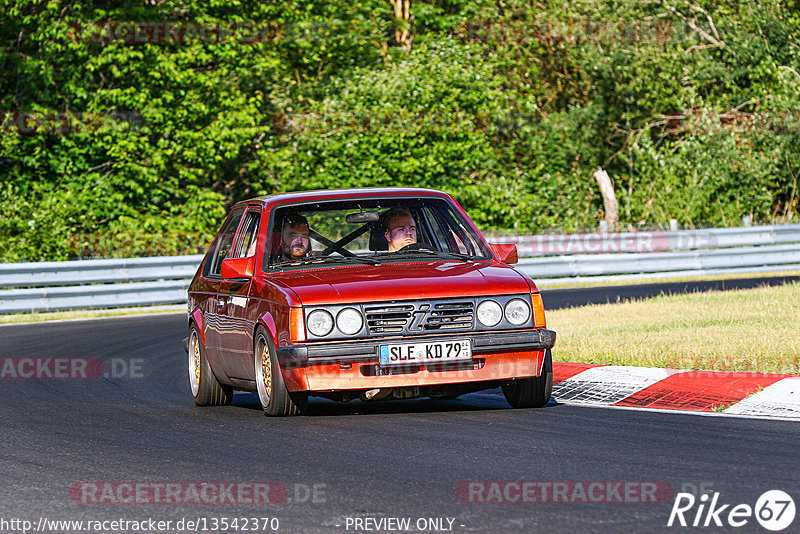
197	361
266	371
194	363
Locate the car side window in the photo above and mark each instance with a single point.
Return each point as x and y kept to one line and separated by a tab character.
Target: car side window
435	224
246	244
451	236
222	247
462	239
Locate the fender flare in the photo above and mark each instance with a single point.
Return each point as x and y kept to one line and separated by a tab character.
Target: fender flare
197	318
295	378
268	322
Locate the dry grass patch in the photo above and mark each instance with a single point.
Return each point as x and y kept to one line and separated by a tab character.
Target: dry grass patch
755	330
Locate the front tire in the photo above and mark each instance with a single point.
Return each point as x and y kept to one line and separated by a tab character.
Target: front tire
206	389
531	392
275	399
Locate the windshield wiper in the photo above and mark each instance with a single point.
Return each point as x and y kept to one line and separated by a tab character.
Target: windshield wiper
325	259
280	264
345	259
465	257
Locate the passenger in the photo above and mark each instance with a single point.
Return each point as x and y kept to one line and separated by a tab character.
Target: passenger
401	230
295	242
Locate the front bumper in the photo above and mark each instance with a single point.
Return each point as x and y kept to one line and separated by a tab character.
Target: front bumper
349	365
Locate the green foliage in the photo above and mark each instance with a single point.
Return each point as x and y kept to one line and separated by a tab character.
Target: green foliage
423	120
510	107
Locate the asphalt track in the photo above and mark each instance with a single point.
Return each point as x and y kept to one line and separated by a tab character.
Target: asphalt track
400	459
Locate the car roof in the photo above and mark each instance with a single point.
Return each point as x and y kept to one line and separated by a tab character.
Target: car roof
329	194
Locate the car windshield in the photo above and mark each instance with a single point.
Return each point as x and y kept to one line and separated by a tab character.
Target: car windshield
370	231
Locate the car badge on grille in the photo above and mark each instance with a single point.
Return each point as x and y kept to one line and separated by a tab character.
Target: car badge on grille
416	319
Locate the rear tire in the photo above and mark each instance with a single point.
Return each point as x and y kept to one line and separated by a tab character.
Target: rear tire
531	392
275	399
206	389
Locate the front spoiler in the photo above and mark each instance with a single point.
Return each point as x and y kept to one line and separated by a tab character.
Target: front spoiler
354	365
309	354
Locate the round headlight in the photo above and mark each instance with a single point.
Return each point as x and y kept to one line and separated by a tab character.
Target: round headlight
349	321
320	323
489	313
517	312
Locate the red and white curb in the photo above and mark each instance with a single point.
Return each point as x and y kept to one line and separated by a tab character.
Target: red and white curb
735	393
709	392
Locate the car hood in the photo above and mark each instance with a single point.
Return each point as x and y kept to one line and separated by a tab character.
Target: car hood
402	281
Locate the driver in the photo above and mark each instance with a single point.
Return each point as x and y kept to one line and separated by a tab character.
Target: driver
401	230
295	242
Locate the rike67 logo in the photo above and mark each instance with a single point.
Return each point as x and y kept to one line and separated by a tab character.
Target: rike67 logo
774	510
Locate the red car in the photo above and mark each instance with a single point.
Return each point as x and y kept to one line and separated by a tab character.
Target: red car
362	293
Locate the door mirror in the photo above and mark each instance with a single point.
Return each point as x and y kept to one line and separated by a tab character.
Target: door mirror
238	268
506	252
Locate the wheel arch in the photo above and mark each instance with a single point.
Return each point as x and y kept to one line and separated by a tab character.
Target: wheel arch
196	318
267	321
294	377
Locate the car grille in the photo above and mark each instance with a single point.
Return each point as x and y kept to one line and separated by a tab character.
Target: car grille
420	317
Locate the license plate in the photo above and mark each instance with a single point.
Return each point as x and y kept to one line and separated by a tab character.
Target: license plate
425	353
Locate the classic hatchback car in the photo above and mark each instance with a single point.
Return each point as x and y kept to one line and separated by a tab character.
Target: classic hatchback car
362	293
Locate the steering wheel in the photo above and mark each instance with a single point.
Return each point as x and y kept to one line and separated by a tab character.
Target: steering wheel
410	246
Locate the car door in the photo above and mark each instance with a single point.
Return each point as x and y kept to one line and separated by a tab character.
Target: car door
236	325
210	307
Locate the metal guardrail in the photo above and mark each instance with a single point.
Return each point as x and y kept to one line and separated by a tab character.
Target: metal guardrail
634	242
94	296
558	259
700	262
89	284
60	273
548	259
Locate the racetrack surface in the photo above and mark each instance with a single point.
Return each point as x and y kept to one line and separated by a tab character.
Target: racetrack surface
387	459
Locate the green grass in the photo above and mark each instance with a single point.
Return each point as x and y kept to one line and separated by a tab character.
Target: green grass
753	330
85	314
640	281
